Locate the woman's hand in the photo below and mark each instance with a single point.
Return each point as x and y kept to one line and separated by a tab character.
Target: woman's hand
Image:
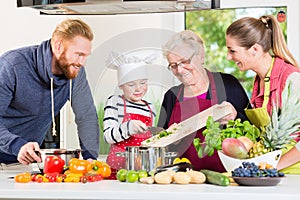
230	116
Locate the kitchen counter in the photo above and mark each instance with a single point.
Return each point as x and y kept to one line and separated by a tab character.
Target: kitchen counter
288	188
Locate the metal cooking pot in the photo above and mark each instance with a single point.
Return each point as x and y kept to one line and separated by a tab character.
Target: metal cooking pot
65	154
146	158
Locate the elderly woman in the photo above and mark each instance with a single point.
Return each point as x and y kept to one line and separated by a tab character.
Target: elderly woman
199	90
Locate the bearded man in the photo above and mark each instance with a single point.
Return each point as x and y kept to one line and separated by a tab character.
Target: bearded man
36	82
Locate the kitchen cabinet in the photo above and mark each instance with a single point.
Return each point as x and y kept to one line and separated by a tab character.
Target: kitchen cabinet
288	188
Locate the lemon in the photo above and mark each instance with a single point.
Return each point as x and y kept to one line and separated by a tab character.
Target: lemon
181	160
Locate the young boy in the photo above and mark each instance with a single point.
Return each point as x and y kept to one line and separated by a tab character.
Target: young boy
127	116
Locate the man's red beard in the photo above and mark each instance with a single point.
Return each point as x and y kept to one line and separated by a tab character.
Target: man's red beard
65	67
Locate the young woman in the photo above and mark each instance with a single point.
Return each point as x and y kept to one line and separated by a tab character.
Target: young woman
259	45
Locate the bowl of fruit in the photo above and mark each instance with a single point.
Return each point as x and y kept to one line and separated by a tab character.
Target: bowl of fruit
236	151
230	163
240	141
251	174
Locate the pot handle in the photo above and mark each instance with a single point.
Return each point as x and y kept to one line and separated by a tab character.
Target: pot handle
171	154
121	154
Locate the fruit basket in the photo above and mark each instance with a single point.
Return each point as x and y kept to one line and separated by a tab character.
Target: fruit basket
231	163
240	141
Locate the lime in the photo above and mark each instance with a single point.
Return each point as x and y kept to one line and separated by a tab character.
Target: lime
132	176
142	174
121	175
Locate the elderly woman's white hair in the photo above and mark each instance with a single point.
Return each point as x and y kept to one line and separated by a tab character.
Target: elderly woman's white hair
184	43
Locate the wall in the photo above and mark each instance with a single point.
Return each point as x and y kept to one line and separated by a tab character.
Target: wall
25	26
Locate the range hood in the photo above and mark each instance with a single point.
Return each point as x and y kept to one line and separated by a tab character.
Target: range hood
112	7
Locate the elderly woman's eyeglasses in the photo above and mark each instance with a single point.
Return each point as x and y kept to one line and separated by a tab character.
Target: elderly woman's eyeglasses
174	65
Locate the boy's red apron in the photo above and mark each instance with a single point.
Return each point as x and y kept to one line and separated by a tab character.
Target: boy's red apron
187	108
118	162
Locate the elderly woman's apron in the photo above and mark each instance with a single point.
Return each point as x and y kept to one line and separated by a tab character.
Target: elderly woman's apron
187	108
119	162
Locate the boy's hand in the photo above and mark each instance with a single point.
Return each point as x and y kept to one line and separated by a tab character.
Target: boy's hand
137	127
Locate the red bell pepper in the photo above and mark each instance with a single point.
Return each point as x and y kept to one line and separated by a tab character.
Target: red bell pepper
53	164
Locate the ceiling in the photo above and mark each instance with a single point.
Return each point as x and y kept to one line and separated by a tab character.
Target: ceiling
113	7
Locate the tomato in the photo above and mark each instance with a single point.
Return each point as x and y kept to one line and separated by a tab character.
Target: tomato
59	179
98	177
23	177
52	177
91	179
33	177
37	178
54	164
83	179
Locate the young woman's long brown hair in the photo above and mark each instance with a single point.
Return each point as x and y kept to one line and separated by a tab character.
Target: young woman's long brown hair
264	31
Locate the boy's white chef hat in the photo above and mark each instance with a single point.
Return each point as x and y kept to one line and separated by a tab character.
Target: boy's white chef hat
129	67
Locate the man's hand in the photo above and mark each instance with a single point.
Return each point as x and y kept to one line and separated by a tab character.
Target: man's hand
27	153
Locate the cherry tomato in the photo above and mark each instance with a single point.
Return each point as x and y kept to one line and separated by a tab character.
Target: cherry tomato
98	177
91	178
37	178
52	176
83	179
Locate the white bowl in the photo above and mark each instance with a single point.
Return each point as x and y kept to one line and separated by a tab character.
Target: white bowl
230	163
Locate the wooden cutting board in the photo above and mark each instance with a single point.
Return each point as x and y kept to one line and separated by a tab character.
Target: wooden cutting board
188	126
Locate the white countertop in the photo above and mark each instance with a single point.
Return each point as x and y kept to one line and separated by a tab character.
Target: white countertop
288	188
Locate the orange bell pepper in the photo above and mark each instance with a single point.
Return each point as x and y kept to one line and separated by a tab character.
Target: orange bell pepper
95	167
23	177
78	166
99	168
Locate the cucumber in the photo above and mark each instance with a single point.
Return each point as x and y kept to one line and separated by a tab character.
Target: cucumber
215	178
